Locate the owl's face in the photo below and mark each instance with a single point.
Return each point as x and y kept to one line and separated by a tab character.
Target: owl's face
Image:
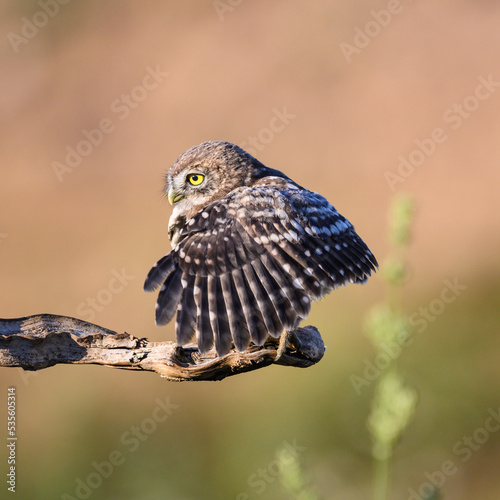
206	173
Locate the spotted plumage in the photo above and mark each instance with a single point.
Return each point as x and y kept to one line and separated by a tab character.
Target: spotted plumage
251	250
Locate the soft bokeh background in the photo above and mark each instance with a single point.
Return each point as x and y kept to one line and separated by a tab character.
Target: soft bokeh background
231	67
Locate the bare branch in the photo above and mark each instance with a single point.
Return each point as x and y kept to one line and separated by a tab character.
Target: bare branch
40	341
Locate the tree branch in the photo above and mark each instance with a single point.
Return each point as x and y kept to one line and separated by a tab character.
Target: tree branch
40	341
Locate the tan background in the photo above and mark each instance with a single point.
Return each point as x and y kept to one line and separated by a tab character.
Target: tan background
61	239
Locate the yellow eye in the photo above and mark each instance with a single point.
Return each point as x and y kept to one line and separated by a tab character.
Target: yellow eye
195	179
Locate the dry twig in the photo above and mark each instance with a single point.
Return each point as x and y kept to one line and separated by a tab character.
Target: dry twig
40	341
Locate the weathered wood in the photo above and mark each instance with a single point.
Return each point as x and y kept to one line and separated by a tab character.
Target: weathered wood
44	340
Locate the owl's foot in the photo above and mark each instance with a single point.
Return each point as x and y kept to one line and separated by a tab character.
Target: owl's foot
287	339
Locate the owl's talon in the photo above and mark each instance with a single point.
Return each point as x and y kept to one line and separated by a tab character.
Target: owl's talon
287	339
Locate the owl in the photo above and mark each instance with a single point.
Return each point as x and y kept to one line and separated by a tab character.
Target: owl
251	250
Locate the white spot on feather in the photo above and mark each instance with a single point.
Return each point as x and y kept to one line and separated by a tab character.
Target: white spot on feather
297	226
281	214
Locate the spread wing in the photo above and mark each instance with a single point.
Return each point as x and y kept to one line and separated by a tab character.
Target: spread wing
249	264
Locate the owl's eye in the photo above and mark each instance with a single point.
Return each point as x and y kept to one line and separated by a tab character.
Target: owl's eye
195	179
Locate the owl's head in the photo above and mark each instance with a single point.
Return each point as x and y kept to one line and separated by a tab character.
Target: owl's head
208	172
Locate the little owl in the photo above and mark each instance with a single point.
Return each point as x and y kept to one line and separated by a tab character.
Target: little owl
251	250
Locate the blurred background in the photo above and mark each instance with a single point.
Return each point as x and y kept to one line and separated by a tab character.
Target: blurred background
359	102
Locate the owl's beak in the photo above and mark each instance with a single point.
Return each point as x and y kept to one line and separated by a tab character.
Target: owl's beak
173	196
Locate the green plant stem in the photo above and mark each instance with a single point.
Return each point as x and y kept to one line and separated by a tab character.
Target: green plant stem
382	478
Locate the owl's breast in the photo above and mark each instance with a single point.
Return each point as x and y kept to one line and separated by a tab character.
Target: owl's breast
177	221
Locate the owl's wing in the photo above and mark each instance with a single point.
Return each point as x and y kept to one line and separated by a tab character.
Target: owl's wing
249	264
